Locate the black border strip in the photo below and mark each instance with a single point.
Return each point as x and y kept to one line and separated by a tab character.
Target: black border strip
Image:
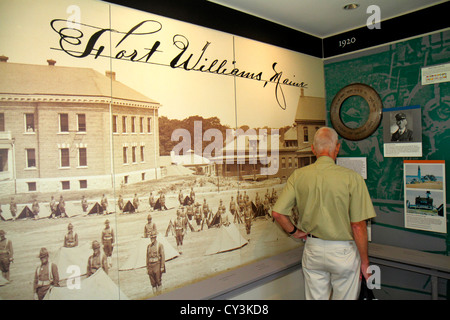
217	17
221	18
409	25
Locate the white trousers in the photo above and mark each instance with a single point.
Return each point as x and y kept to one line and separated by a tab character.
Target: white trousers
331	269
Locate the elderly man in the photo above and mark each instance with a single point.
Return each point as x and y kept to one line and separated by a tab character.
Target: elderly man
333	204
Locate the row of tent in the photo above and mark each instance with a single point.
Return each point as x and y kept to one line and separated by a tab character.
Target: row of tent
72	209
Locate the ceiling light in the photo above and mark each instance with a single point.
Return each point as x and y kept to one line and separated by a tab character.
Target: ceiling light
351	6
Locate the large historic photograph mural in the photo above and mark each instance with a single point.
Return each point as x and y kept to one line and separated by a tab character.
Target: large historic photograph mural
140	154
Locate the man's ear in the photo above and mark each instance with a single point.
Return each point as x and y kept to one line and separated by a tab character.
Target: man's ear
338	147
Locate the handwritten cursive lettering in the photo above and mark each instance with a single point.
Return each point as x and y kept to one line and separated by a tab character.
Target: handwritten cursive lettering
73	41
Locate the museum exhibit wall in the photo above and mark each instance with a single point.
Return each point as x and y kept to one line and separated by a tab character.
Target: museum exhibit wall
94	98
395	72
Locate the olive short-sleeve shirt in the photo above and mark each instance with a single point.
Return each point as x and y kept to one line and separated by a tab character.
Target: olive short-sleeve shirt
328	197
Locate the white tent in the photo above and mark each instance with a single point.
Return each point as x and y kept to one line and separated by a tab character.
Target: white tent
138	256
228	238
98	286
65	258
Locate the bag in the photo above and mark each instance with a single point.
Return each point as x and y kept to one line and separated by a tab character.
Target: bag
365	293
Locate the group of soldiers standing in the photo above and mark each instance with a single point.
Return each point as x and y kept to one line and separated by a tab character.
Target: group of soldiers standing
56	208
242	209
47	275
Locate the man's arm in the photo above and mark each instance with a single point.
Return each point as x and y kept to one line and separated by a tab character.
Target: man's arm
287	225
360	236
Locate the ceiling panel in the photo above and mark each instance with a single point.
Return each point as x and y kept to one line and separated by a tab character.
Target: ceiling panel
324	18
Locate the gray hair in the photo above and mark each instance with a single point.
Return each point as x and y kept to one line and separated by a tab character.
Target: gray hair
325	139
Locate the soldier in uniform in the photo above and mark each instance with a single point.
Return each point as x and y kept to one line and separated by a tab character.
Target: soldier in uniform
190	211
84	204
234	211
162	201
241	203
248	213
104	204
223	217
13	208
149	227
62	207
108	241
403	134
96	260
180	231
6	254
205	208
53	207
136	202
155	263
151	201
35	209
198	213
192	195
71	238
120	202
45	277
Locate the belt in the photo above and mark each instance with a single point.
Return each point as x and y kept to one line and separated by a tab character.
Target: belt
312	236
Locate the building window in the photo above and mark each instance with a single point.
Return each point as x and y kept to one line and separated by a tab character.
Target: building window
124	124
65	161
283	163
143	176
133	154
149	125
63	122
31	158
125	156
133	124
142	154
290	162
305	134
29	122
114	124
83	184
81	122
141	124
31	186
125	180
65	185
2	122
3	160
82	157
